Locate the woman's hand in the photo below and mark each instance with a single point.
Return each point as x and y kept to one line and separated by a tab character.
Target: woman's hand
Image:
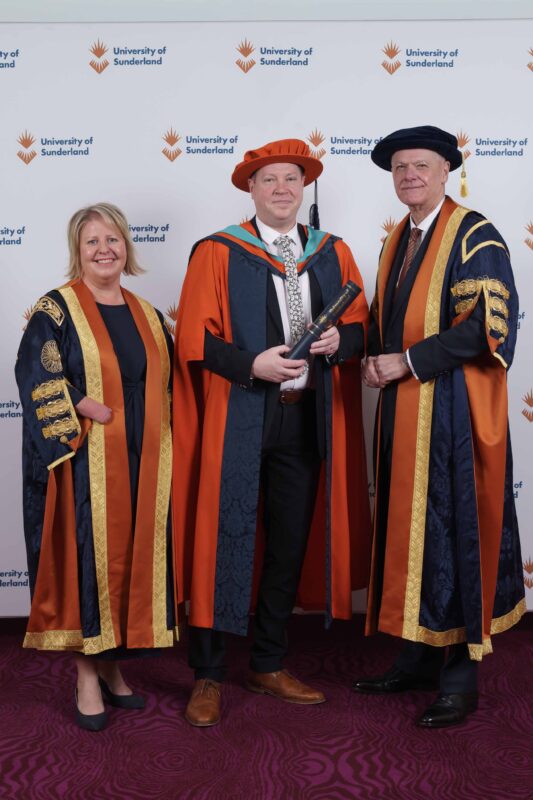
94	410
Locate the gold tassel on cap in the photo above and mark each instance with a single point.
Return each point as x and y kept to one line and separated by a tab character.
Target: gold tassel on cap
464	187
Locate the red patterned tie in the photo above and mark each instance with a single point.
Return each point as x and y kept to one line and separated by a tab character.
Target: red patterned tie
412	246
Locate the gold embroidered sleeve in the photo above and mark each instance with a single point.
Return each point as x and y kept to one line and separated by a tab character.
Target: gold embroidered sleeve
49	307
495	296
468	249
55	404
53	408
61	427
473	286
47	389
50	357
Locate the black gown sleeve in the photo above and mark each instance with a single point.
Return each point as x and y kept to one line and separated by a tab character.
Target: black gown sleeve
451	348
352	343
50	420
228	360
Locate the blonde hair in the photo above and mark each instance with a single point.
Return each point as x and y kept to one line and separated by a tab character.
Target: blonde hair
113	216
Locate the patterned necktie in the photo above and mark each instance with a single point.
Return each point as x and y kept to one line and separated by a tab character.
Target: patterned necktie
294	293
412	246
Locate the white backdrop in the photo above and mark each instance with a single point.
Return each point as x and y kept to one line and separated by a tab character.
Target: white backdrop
86	107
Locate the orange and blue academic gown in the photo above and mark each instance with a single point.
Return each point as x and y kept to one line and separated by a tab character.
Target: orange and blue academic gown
218	429
99	565
452	569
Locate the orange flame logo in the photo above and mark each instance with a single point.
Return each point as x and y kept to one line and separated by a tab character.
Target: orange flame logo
317	138
171	138
528	568
27	316
391	50
530	65
26	140
388	226
246	49
99	49
462	140
528	400
527	240
172	312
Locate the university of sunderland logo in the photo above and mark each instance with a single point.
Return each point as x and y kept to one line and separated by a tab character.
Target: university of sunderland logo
26	154
388	226
98	63
245	49
12	236
530	65
528	240
392	62
528	569
462	141
316	139
172	312
528	400
171	138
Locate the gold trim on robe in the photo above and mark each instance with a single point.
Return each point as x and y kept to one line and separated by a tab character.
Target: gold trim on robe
97	470
411	628
162	636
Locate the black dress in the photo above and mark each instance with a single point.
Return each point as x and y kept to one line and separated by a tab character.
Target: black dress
131	356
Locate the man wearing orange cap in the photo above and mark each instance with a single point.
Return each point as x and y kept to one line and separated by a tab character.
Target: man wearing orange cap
250	422
447	570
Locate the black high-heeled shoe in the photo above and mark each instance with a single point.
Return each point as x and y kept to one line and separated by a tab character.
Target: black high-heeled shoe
89	722
120	700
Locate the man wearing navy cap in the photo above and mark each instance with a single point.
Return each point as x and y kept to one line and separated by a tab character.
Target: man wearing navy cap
446	565
249	422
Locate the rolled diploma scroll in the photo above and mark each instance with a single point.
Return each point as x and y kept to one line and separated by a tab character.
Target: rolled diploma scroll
326	319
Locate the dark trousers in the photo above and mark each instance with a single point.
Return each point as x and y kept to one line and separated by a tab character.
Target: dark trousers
457	674
290	469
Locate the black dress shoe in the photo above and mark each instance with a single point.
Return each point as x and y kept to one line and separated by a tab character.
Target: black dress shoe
120	700
448	709
395	680
89	722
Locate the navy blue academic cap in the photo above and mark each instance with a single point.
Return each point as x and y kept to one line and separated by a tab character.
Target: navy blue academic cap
425	137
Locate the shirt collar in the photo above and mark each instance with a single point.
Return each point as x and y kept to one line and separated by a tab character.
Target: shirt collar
427	221
269	235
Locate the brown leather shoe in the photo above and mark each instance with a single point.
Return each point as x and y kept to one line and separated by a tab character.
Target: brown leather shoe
283	685
203	709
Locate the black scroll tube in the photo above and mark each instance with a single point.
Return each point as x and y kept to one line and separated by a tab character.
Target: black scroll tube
326	319
314	219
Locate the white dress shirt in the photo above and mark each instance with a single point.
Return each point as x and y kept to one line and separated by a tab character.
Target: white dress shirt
269	235
426	223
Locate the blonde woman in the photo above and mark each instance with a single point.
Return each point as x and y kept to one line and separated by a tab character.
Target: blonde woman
93	371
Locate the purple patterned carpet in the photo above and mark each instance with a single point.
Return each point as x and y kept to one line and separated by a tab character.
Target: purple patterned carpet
353	746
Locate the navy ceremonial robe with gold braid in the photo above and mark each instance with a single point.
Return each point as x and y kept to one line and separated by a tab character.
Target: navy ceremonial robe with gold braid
99	564
446	555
